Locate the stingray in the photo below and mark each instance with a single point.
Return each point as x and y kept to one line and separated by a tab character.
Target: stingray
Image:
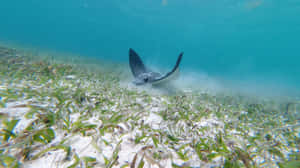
143	75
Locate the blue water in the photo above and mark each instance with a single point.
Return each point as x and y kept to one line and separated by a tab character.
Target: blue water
235	40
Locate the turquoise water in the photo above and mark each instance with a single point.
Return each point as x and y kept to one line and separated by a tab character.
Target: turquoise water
251	43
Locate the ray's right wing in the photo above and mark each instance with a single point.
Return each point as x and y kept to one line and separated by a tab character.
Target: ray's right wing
170	75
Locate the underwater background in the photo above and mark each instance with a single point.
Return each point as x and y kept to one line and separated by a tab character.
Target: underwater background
247	44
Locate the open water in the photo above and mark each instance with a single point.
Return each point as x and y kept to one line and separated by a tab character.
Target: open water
253	45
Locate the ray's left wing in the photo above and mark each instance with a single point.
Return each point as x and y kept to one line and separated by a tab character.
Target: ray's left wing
136	64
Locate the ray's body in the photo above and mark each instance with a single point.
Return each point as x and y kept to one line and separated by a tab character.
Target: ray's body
144	75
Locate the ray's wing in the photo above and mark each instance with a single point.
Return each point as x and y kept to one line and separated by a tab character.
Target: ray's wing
136	64
170	75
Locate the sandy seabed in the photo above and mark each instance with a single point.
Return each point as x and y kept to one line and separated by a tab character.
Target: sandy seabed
58	114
